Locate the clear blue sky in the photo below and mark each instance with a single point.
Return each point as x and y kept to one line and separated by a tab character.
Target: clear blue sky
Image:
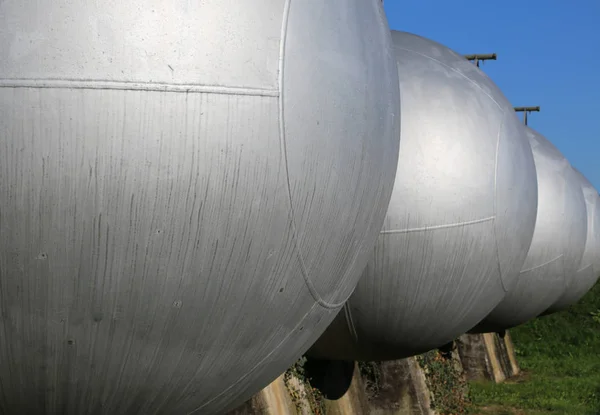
548	55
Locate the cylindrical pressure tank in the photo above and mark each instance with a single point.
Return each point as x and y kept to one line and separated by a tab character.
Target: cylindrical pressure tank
558	241
586	276
460	220
189	192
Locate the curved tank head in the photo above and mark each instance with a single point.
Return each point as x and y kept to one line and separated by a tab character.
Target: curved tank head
596	253
587	274
596	258
558	241
190	191
460	220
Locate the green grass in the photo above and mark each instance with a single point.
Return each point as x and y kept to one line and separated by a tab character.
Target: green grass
560	357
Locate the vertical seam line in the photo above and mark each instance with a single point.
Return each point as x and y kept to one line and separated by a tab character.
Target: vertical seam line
502	282
282	138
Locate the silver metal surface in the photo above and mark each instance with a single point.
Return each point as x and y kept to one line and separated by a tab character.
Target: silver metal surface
558	241
189	192
460	220
586	276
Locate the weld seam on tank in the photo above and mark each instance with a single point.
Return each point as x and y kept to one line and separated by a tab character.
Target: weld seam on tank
350	321
542	265
455	71
432	228
497	249
319	301
309	285
495	201
134	86
566	278
282	139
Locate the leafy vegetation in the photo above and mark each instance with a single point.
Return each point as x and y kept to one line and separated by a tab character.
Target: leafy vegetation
371	375
449	390
560	358
302	392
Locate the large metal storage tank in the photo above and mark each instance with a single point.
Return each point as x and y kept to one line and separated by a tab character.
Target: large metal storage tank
558	241
189	193
460	220
587	273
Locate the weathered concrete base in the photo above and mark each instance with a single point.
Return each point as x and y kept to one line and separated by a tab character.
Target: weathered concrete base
273	400
380	388
488	356
397	387
402	389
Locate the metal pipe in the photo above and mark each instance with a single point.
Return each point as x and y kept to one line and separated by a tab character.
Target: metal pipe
526	111
477	57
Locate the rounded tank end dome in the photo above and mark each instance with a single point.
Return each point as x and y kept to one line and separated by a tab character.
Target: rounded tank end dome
190	191
587	272
558	241
460	220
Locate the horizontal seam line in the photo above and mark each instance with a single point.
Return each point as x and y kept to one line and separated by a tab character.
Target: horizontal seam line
584	268
542	265
134	86
427	228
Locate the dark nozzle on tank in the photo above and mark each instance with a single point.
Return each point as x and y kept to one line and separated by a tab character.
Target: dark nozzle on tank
331	377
